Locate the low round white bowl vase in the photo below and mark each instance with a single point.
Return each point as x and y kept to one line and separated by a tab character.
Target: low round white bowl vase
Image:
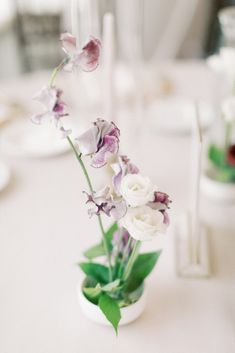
128	314
217	190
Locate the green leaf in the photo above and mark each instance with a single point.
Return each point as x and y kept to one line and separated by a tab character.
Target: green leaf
136	294
92	292
98	249
222	172
110	287
142	267
132	297
89	282
97	271
110	309
224	175
217	155
95	251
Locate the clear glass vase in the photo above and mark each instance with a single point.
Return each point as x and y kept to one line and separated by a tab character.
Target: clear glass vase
227	23
227	51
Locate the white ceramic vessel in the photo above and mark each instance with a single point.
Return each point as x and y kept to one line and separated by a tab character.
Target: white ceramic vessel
217	190
128	314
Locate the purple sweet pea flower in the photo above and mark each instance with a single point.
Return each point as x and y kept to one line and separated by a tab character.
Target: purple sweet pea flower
102	201
55	108
99	141
87	58
161	203
69	43
122	168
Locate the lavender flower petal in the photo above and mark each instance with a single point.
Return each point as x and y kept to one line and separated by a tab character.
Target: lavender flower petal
132	169
102	201
119	242
107	128
161	197
88	142
47	96
88	59
119	209
68	43
110	146
122	168
60	108
102	195
117	178
99	141
37	118
54	108
160	202
166	219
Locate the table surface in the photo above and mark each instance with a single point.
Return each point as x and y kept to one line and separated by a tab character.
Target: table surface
45	228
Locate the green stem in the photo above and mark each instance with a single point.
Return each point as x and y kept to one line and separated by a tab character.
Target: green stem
78	156
131	260
57	70
118	249
106	248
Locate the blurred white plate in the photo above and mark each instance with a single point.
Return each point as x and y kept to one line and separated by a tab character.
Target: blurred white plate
9	109
174	115
4	175
23	138
4	113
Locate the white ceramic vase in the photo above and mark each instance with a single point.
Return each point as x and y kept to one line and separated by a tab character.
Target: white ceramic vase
128	314
217	190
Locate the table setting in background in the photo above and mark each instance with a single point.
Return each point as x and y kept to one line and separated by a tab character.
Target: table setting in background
117	200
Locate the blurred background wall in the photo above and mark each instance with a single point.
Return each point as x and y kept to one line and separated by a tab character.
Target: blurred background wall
29	30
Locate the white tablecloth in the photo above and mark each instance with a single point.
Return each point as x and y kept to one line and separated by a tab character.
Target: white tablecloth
44	228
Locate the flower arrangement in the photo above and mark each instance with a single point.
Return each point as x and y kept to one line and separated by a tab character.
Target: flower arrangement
137	207
223	157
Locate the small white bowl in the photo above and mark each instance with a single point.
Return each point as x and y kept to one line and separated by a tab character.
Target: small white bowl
217	190
93	312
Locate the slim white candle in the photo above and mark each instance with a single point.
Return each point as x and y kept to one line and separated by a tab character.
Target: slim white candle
74	18
196	158
108	66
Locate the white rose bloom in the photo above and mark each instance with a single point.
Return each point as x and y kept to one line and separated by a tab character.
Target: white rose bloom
228	109
137	190
143	223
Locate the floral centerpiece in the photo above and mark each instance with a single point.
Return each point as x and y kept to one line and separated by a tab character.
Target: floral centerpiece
114	269
223	157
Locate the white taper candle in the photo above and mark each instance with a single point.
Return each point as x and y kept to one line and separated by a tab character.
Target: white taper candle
74	18
196	160
108	67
